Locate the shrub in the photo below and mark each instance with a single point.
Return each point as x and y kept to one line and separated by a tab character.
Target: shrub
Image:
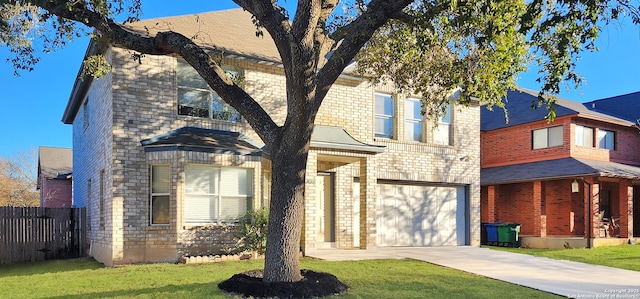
253	231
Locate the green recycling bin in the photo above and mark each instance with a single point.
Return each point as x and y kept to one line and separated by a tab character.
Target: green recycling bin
508	234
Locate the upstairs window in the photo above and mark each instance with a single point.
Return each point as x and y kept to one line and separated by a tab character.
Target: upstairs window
442	133
606	139
584	136
547	137
196	98
216	195
413	126
385	113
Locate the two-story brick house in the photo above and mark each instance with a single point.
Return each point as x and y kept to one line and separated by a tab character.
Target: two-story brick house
166	169
572	182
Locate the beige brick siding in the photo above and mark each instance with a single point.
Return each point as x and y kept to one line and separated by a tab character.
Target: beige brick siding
138	101
92	152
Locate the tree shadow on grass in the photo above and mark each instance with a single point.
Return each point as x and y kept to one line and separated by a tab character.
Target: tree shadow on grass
194	290
315	285
51	266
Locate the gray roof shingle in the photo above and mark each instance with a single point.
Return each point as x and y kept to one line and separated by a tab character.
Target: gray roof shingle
518	104
203	140
207	140
54	162
555	169
230	31
624	106
332	137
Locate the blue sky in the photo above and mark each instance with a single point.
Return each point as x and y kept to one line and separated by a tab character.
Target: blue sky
34	102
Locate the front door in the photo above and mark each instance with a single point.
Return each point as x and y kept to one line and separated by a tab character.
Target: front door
325	216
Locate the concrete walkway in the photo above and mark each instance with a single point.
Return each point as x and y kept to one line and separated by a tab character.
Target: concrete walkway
565	278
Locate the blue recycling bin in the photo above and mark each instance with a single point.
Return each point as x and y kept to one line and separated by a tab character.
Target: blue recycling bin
492	233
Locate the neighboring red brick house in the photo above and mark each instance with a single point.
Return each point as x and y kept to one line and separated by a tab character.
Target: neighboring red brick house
54	177
573	182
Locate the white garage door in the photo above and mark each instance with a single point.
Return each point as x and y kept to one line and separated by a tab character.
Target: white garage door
410	215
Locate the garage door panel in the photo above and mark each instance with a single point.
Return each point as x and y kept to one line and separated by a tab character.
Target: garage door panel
411	215
446	215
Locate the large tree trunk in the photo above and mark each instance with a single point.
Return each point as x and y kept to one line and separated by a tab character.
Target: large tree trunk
286	209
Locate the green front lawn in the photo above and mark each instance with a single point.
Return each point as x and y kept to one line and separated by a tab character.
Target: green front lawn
623	256
84	278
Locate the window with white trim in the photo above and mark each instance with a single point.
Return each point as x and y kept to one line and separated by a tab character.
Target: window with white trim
547	137
442	134
606	139
196	98
385	115
159	212
584	136
216	194
414	124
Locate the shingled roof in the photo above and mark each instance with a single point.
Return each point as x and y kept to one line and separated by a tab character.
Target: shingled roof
623	106
556	169
203	140
518	104
54	163
230	31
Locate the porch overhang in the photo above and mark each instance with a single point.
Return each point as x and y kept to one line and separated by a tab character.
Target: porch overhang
557	169
204	140
336	138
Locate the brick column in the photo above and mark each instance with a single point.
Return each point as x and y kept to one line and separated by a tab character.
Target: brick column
539	220
344	207
367	203
595	211
309	226
625	197
491	204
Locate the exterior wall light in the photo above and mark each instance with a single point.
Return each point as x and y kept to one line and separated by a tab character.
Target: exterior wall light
575	187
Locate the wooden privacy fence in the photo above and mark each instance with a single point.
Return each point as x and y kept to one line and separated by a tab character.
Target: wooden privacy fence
37	234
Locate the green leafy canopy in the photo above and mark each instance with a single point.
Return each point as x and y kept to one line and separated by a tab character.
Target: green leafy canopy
26	29
431	50
480	47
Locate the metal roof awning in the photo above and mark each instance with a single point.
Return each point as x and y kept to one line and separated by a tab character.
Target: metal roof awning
216	141
336	138
203	140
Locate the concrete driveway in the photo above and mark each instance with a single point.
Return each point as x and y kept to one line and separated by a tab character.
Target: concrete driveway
565	278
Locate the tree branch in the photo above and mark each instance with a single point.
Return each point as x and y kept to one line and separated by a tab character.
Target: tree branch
272	18
323	43
403	17
79	12
166	43
215	77
353	37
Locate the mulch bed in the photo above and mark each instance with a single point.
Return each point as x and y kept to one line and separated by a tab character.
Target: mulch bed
312	285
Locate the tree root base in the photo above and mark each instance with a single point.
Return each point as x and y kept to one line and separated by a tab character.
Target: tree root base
312	285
